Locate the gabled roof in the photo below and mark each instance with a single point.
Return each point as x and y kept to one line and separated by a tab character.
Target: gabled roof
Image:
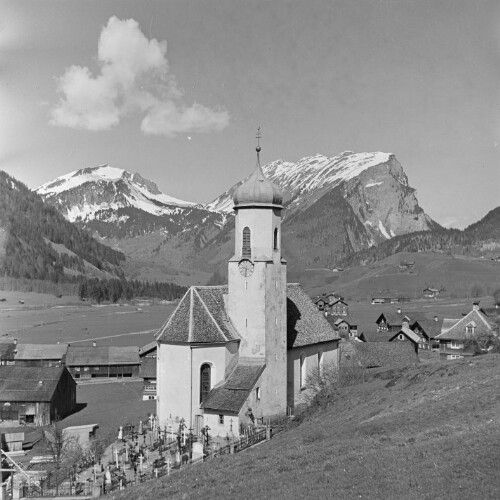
455	328
430	327
20	383
305	324
396	319
376	336
230	396
200	317
40	351
409	333
147	349
102	355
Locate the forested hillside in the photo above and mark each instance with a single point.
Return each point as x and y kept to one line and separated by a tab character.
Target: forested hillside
481	239
39	243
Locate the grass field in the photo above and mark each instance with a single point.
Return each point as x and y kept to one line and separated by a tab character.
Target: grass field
45	319
426	432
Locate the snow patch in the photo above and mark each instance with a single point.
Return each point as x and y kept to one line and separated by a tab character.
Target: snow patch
383	230
371	184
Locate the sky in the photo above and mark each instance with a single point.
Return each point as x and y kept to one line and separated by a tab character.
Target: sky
175	90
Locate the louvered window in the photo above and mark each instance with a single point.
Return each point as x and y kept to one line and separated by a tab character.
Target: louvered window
205	381
275	238
246	250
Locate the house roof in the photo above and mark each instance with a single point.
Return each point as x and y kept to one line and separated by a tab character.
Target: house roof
305	324
102	355
230	396
21	383
409	333
377	336
201	317
456	328
40	351
375	354
147	349
396	319
148	367
430	326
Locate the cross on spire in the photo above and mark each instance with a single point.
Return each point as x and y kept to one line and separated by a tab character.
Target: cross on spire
258	148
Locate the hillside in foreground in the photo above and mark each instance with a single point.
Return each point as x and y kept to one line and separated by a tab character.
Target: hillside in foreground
426	432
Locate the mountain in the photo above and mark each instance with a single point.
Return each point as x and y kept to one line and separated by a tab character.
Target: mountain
334	207
37	242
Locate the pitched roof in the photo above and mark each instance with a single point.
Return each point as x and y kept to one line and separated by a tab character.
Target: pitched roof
376	336
147	349
305	324
102	355
232	394
396	319
148	367
21	383
456	328
200	317
40	351
409	333
430	326
374	354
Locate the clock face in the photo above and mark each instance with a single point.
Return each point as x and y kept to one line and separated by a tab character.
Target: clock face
246	267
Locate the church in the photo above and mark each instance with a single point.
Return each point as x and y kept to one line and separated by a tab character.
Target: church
238	354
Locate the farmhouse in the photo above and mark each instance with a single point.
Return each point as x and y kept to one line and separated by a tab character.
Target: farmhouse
36	395
456	334
239	354
94	361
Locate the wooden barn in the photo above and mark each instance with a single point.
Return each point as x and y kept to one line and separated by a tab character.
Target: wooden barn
36	395
103	361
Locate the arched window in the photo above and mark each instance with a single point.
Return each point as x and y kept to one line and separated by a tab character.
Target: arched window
275	245
246	249
205	381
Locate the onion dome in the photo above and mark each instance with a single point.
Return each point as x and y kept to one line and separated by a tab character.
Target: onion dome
258	190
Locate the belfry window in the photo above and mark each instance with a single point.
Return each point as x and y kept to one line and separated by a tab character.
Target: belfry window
205	381
246	250
275	244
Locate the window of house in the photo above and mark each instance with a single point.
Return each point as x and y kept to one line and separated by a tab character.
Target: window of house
86	368
205	381
469	329
257	393
455	344
77	368
221	419
246	250
302	371
401	336
455	356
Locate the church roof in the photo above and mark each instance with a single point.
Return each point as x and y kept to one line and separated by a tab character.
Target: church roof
232	394
200	317
305	324
258	190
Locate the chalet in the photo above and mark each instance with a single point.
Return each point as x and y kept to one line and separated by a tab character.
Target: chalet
36	395
332	304
456	334
341	325
405	334
94	361
339	308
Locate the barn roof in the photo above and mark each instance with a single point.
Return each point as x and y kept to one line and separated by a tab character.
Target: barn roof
375	354
40	351
232	394
21	383
102	355
201	317
456	328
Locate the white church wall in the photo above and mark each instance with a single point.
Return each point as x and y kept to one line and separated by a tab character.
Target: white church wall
302	361
223	429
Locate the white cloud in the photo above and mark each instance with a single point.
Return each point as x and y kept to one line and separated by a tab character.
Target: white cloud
134	77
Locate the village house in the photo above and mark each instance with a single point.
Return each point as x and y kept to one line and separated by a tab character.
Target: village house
147	355
235	355
342	326
36	395
456	334
94	361
332	303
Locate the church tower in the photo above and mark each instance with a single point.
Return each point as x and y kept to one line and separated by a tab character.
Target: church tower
256	301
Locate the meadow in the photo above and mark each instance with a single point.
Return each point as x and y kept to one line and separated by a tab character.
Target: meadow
47	319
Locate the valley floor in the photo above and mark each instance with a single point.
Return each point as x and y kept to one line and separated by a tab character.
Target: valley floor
426	432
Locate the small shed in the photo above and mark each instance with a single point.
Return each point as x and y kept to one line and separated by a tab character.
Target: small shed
36	395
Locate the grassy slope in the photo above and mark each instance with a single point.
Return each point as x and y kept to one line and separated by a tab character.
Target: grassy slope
456	274
425	432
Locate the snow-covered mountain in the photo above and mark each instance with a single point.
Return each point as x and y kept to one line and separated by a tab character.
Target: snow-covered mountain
82	195
334	206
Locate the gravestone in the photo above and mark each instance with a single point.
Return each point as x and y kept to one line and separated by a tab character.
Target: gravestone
197	452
